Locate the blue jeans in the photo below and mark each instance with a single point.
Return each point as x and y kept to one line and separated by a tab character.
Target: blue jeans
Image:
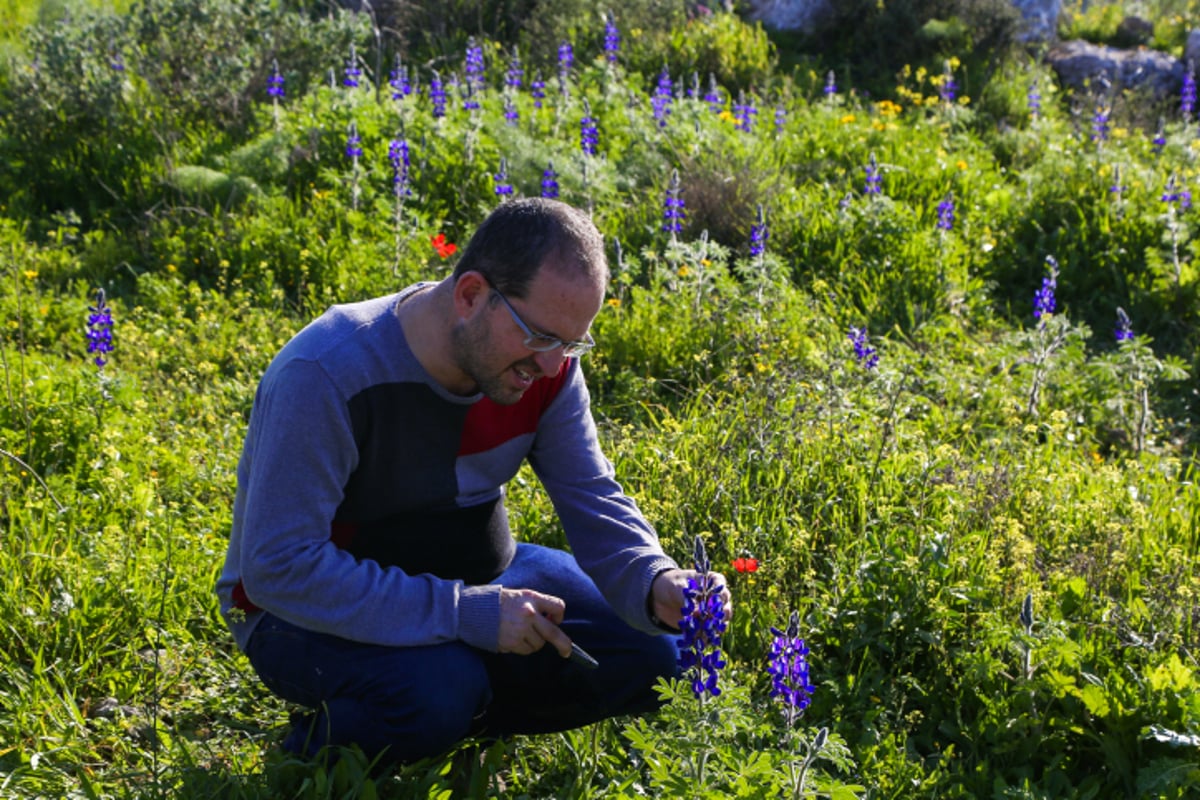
406	703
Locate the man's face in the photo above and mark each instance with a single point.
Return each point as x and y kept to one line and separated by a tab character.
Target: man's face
489	347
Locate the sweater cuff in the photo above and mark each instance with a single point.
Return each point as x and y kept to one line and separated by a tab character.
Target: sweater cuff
479	617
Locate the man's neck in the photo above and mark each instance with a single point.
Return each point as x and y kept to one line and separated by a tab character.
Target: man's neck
423	317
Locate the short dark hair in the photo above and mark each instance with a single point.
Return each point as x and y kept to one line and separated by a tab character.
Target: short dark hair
520	236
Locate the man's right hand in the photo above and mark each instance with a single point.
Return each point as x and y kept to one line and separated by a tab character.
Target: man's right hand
529	620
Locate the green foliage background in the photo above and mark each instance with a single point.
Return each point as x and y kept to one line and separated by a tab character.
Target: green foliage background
906	512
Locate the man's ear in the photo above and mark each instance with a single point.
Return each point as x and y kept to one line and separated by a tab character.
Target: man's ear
471	292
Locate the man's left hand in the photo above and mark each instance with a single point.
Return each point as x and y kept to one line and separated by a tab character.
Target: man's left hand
666	594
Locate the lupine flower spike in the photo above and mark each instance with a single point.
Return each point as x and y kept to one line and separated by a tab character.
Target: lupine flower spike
1034	100
713	95
399	156
874	184
99	330
399	81
1100	124
831	88
945	213
1160	138
1124	330
673	207
789	670
661	101
550	182
275	90
352	72
758	235
863	352
1172	195
1043	300
702	625
589	136
566	59
948	89
516	73
612	38
275	82
538	90
745	112
473	65
504	189
437	95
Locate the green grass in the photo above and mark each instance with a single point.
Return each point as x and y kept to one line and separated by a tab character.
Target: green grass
906	513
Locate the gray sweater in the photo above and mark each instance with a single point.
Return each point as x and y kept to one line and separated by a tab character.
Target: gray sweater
370	501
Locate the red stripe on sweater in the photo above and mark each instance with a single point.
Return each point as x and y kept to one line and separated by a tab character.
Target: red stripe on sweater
489	425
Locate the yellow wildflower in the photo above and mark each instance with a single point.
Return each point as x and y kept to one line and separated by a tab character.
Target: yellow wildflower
847	119
615	302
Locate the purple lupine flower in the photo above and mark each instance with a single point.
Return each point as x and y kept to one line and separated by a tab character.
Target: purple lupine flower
948	90
399	81
1100	124
566	60
1187	96
511	115
693	90
1124	329
612	38
473	65
1117	188
1160	139
1034	99
713	95
744	111
863	352
759	234
469	101
661	100
117	62
589	136
275	82
874	184
701	627
352	72
516	73
437	95
503	188
945	213
550	182
1043	299
538	90
780	117
789	670
673	207
1172	195
830	84
99	330
353	143
399	156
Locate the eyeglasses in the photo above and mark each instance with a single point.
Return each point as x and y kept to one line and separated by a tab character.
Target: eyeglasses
544	342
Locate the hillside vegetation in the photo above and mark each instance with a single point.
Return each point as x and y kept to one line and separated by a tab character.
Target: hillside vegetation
910	347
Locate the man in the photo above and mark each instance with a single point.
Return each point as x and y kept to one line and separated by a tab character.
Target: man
371	574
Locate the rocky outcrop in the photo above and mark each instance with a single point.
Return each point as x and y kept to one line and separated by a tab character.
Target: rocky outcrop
1089	67
1041	16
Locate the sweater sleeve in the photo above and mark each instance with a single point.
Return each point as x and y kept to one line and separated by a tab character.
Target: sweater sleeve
610	538
300	451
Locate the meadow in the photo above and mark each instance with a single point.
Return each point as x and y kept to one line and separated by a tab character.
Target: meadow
914	358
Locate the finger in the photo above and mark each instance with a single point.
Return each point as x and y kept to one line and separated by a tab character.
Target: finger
552	634
549	607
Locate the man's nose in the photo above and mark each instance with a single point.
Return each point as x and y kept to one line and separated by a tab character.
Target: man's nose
550	362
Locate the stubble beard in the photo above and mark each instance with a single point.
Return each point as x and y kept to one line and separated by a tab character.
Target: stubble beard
473	353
